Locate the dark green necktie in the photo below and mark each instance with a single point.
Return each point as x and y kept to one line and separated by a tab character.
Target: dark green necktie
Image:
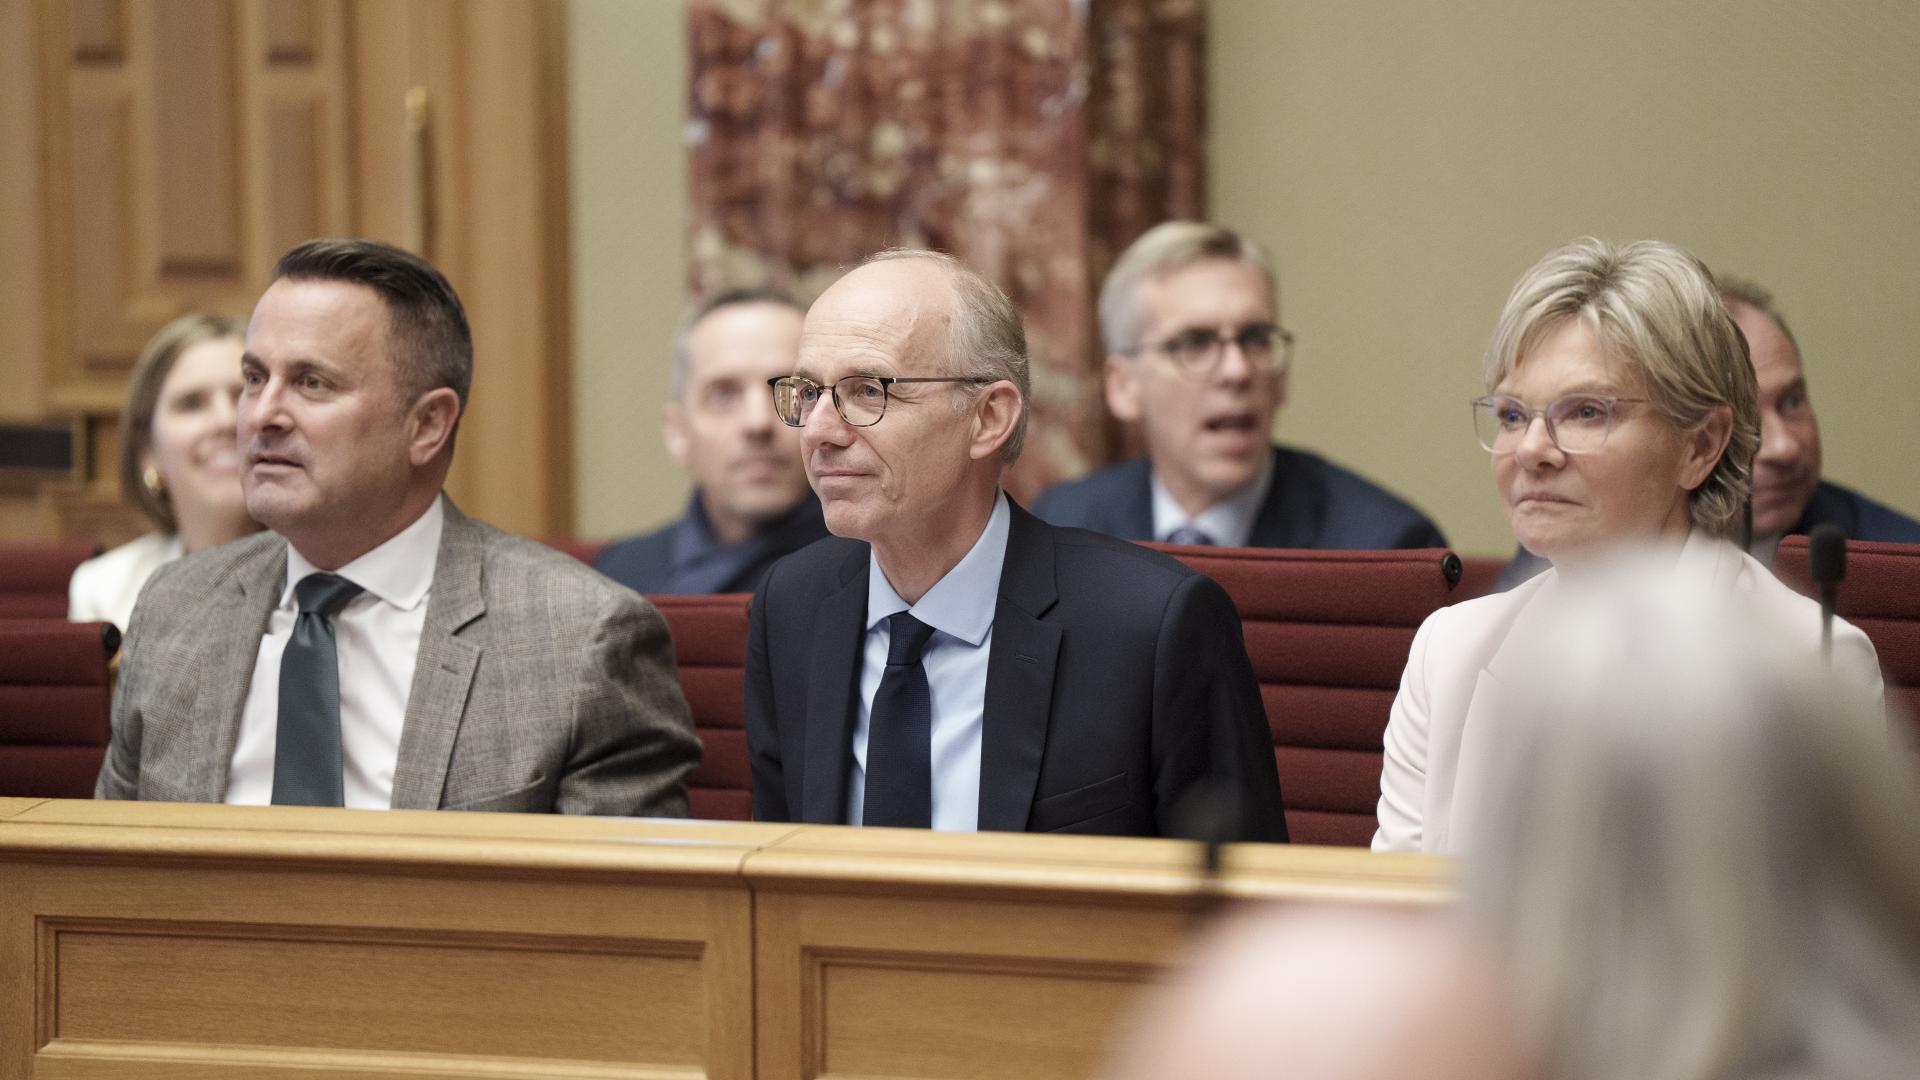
306	759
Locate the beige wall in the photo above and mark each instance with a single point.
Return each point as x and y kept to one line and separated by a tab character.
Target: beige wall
1409	160
627	91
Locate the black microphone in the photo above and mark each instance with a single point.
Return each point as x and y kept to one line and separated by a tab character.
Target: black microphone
1827	564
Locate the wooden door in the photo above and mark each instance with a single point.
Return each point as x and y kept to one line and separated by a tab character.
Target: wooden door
170	152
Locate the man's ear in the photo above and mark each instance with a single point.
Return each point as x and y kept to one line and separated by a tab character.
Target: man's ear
1703	446
996	412
1123	389
1280	379
673	431
431	424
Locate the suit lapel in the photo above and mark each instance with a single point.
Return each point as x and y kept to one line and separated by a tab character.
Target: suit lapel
255	591
444	667
839	632
1020	667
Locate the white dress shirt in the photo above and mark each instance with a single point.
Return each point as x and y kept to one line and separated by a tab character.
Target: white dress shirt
959	607
1229	522
378	639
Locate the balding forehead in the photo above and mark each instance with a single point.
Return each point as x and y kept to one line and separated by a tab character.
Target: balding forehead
897	309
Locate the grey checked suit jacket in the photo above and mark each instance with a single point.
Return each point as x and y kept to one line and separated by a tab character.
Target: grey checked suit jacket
539	685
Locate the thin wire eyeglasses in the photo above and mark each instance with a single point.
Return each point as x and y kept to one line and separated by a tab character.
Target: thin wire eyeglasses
1576	423
860	399
1197	351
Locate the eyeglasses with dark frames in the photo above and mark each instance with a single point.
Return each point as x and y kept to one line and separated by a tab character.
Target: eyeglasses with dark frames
1576	423
860	399
1197	351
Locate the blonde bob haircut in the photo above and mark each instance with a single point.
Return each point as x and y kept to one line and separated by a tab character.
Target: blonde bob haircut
1169	246
1656	307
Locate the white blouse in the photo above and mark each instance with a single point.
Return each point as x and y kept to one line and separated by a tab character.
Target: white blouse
104	587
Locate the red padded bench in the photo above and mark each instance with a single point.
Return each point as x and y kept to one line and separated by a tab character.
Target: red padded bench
33	577
56	702
1328	633
1881	596
710	644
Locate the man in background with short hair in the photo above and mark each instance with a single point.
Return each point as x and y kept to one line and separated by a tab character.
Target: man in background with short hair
1197	357
750	502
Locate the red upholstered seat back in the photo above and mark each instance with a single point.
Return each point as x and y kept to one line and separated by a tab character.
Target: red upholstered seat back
33	577
1328	634
710	643
1478	576
55	705
1881	595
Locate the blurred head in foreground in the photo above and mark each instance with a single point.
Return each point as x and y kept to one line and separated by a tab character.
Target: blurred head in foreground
1328	994
1699	854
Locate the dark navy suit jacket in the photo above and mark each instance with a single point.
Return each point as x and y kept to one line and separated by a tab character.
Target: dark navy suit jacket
685	558
1313	503
1117	681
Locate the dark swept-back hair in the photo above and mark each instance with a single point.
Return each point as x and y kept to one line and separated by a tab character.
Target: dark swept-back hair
431	343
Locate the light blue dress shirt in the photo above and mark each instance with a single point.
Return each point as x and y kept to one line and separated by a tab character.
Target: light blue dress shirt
1228	522
959	607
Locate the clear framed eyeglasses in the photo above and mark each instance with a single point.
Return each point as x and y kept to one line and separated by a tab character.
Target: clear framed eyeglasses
1197	352
861	399
1576	423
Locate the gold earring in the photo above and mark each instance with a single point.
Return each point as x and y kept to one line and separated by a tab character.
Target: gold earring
151	478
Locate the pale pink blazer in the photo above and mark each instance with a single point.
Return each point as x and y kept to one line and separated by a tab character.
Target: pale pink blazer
1459	667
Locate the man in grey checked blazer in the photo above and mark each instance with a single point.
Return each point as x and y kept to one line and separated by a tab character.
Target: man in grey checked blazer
535	685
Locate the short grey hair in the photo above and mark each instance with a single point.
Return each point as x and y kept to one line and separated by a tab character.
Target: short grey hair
1693	841
1735	290
683	334
1655	306
1167	246
986	339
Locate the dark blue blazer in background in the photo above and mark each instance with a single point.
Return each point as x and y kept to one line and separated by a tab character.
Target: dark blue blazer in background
683	558
1117	682
1313	503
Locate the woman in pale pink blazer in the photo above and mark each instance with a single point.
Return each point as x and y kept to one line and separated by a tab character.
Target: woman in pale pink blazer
1621	409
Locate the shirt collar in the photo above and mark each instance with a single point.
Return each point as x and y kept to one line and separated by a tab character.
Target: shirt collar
960	604
399	571
1228	522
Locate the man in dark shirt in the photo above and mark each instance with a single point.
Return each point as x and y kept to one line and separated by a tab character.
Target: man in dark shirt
1197	358
1789	497
750	503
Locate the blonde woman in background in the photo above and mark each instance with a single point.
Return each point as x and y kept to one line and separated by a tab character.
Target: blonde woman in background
1620	407
1699	850
178	462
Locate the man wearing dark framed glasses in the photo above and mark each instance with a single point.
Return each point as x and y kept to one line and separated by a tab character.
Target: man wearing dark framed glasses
946	660
1197	359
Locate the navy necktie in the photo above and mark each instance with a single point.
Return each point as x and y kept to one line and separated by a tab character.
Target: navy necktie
900	733
1187	534
306	756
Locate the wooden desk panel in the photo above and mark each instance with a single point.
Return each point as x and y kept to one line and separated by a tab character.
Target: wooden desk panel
883	952
239	942
167	941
